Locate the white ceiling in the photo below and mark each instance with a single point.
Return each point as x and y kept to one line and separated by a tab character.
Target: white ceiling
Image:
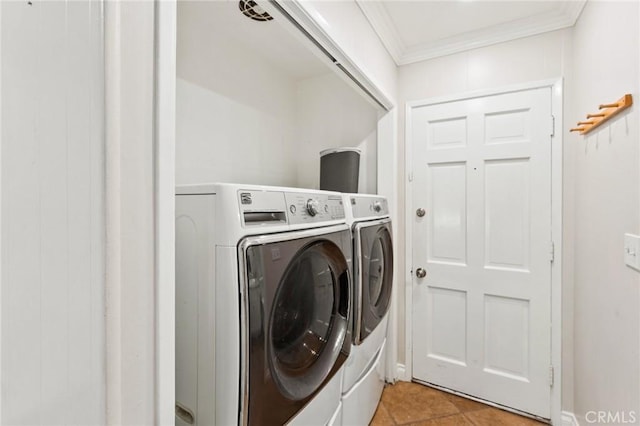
220	21
413	31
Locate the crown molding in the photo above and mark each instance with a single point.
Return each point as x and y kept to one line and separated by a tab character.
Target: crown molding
403	55
384	27
573	9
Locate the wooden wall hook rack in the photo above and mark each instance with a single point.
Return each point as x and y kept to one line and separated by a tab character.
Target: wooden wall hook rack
607	111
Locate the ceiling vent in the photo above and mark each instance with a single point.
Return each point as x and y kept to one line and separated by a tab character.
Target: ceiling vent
251	9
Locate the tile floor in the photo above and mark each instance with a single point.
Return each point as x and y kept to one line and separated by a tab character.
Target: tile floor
413	404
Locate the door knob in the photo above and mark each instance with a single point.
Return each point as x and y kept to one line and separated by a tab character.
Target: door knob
420	212
421	273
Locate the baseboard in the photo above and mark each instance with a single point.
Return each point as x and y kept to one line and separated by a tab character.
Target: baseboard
402	373
569	419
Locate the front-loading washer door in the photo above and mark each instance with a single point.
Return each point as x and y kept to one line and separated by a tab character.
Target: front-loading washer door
298	314
374	254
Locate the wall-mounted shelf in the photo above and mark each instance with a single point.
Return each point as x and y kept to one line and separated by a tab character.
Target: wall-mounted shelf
607	111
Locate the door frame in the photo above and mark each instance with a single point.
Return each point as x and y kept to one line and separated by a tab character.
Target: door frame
1	214
556	86
164	132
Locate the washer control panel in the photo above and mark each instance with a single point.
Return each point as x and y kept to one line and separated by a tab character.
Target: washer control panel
313	208
261	208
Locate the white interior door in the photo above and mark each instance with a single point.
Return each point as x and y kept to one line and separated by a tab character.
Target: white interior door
482	314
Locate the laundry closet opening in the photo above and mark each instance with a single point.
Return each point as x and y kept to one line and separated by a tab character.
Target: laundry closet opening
256	102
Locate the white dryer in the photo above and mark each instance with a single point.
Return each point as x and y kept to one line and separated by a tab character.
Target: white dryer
368	216
263	305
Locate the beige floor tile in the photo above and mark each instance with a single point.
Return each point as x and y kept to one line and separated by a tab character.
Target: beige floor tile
409	388
410	403
464	404
455	420
496	417
381	417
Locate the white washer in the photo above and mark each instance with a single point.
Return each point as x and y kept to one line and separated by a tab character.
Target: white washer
368	216
263	305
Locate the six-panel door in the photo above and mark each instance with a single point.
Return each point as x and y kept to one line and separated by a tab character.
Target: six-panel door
481	316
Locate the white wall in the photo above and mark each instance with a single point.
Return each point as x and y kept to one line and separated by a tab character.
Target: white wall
541	57
241	118
606	323
235	112
52	227
330	114
220	139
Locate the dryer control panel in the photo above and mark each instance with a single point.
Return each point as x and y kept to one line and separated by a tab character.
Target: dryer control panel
368	206
279	207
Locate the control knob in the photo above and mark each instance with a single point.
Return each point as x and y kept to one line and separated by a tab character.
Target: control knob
312	207
377	207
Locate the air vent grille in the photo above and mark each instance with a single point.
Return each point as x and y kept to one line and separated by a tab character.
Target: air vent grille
252	10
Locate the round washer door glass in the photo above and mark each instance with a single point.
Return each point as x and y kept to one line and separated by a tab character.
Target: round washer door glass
308	320
380	272
376	271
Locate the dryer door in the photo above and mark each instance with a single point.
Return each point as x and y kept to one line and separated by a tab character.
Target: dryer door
299	307
375	272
